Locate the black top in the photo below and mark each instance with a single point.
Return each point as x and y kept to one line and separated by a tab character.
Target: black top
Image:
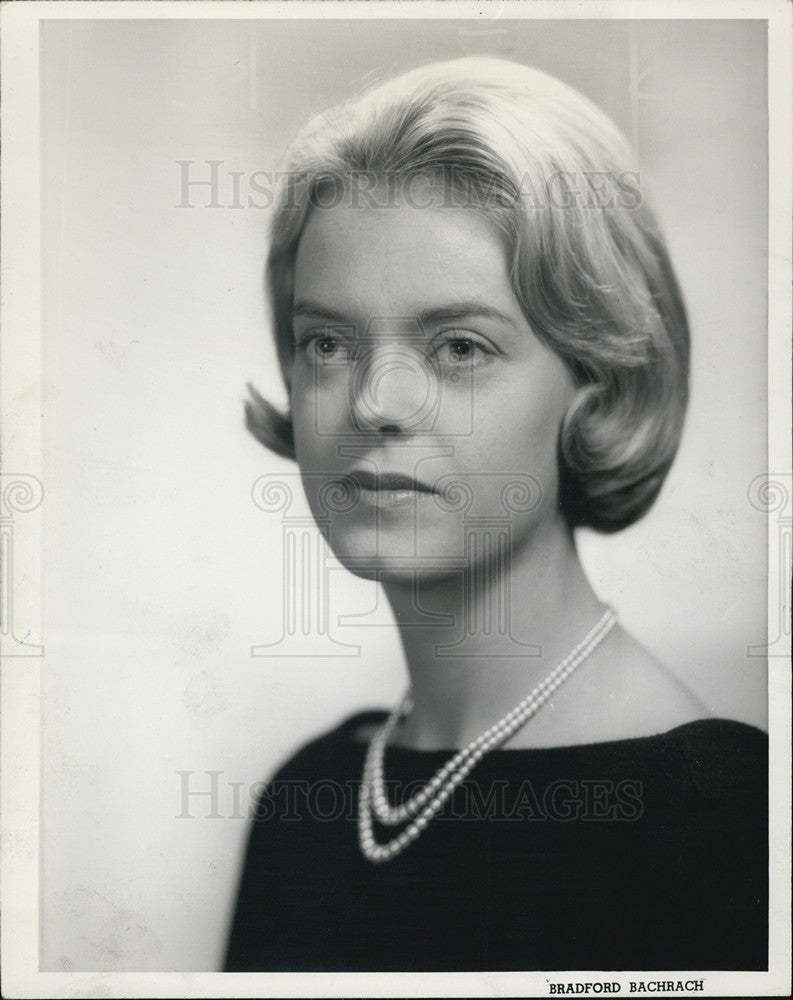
634	854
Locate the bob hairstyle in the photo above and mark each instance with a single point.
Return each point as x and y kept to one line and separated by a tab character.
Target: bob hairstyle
588	264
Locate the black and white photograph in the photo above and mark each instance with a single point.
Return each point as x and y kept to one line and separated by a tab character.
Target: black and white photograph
396	499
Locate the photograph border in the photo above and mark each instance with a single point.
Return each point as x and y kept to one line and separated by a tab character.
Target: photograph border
22	481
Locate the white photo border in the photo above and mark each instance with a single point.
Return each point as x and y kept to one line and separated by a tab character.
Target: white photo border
21	438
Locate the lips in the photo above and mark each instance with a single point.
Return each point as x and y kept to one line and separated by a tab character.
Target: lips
390	482
389	491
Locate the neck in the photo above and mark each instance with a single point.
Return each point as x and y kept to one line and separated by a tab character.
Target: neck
478	642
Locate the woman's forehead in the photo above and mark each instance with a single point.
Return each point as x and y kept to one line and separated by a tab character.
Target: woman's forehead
401	260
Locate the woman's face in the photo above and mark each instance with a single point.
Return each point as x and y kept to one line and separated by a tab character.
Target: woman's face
426	413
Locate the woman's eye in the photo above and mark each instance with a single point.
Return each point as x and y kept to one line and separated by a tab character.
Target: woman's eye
323	347
461	350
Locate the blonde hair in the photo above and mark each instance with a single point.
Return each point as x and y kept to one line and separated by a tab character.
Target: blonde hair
588	264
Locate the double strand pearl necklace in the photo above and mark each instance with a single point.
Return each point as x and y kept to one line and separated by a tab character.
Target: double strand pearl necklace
430	799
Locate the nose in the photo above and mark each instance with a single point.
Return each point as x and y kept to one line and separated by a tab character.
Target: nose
393	389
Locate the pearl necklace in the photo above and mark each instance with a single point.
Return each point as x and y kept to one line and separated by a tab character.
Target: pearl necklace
429	800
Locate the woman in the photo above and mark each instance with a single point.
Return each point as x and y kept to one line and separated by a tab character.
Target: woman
485	347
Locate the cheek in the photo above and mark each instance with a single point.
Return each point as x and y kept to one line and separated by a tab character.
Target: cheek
515	440
320	410
314	419
521	425
301	422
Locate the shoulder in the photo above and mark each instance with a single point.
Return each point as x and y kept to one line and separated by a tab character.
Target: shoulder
633	694
709	795
332	748
324	765
355	731
723	757
623	692
645	691
654	699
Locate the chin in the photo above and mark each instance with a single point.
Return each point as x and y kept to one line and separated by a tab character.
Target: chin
429	553
394	563
397	573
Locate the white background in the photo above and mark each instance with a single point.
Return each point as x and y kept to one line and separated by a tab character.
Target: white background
161	572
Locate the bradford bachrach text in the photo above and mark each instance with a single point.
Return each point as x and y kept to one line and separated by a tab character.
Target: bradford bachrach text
634	986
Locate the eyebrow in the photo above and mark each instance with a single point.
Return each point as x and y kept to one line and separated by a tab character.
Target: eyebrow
439	314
